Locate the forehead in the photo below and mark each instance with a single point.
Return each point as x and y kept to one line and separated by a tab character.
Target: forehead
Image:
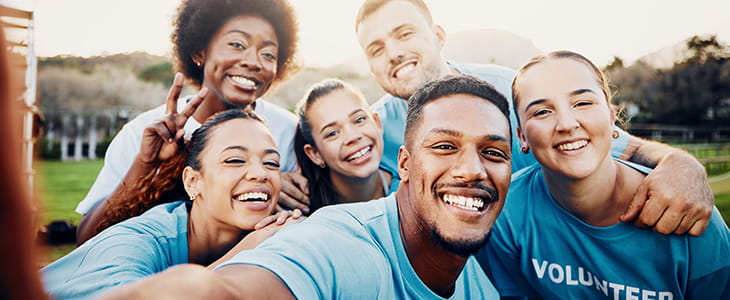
249	133
468	114
334	106
388	17
250	24
539	81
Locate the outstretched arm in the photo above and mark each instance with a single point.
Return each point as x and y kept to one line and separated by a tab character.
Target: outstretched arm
676	197
196	282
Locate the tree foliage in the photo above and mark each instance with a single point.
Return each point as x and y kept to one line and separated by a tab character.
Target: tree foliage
695	91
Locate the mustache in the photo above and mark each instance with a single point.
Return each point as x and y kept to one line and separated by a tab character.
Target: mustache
493	194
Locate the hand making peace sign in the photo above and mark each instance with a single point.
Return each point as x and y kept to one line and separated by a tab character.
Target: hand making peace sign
162	139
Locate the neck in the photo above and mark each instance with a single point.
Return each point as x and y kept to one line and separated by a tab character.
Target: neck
436	267
212	104
598	199
354	189
207	239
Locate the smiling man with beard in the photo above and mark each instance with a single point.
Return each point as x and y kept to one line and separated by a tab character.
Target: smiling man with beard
414	244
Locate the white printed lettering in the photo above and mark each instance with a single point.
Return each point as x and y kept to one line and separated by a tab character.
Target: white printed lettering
632	293
617	288
583	281
645	294
569	280
558	278
540	270
666	296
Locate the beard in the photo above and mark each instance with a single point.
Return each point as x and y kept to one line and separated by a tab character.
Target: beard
462	248
429	72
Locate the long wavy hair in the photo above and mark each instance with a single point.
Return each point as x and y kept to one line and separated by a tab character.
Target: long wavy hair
164	184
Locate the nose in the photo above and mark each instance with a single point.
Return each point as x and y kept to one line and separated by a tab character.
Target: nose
395	52
469	167
256	172
352	135
567	122
250	59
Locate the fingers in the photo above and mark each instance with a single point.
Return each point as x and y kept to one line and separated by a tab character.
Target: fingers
699	227
174	94
636	204
194	103
266	221
294	185
650	213
669	221
286	201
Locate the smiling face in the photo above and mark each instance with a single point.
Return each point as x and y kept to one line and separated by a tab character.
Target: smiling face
239	63
402	47
457	170
348	137
239	182
565	120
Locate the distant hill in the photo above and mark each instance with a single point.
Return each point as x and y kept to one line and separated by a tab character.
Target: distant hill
489	46
665	58
135	61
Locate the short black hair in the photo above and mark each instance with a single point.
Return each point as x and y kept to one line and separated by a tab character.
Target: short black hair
198	20
451	85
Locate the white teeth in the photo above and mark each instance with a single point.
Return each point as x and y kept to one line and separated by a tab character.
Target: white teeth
573	145
405	70
253	196
358	154
469	203
244	81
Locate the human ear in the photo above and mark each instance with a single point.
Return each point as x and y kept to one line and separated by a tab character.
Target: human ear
440	35
403	157
192	182
199	57
376	118
523	140
313	155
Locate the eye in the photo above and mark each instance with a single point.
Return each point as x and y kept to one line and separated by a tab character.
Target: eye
405	34
331	133
234	161
271	164
360	119
269	56
493	154
376	51
540	112
583	103
237	45
443	146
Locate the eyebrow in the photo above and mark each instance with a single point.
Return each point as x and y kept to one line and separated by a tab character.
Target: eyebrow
396	29
248	35
245	149
488	137
334	122
573	93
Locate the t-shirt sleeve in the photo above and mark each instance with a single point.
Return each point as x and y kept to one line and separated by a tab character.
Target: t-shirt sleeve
103	263
317	259
710	267
618	145
117	160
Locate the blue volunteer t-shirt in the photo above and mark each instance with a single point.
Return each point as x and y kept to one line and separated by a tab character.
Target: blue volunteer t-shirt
126	252
353	251
393	110
540	250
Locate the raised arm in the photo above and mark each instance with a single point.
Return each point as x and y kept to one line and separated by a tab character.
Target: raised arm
676	197
161	141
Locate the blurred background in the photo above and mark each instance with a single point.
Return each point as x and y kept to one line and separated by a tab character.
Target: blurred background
92	65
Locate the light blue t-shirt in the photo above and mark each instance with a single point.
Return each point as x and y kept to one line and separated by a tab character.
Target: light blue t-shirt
353	251
540	250
393	110
128	251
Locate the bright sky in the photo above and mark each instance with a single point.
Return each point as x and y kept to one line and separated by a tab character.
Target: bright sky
595	28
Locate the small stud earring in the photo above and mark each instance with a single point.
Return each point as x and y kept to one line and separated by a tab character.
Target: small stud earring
192	197
525	149
322	165
615	134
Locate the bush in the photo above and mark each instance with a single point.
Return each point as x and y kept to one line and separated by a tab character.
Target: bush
48	150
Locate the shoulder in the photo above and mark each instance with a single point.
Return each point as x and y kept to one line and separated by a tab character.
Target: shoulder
271	112
486	71
164	221
388	105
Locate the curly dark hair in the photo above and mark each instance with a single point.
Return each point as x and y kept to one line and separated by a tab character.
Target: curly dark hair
198	20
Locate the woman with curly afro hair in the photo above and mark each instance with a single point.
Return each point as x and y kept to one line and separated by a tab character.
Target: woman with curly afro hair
233	51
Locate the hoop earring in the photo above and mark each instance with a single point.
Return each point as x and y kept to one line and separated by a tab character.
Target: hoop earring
525	149
615	134
322	165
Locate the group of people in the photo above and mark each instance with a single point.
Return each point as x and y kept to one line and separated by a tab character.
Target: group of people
201	196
